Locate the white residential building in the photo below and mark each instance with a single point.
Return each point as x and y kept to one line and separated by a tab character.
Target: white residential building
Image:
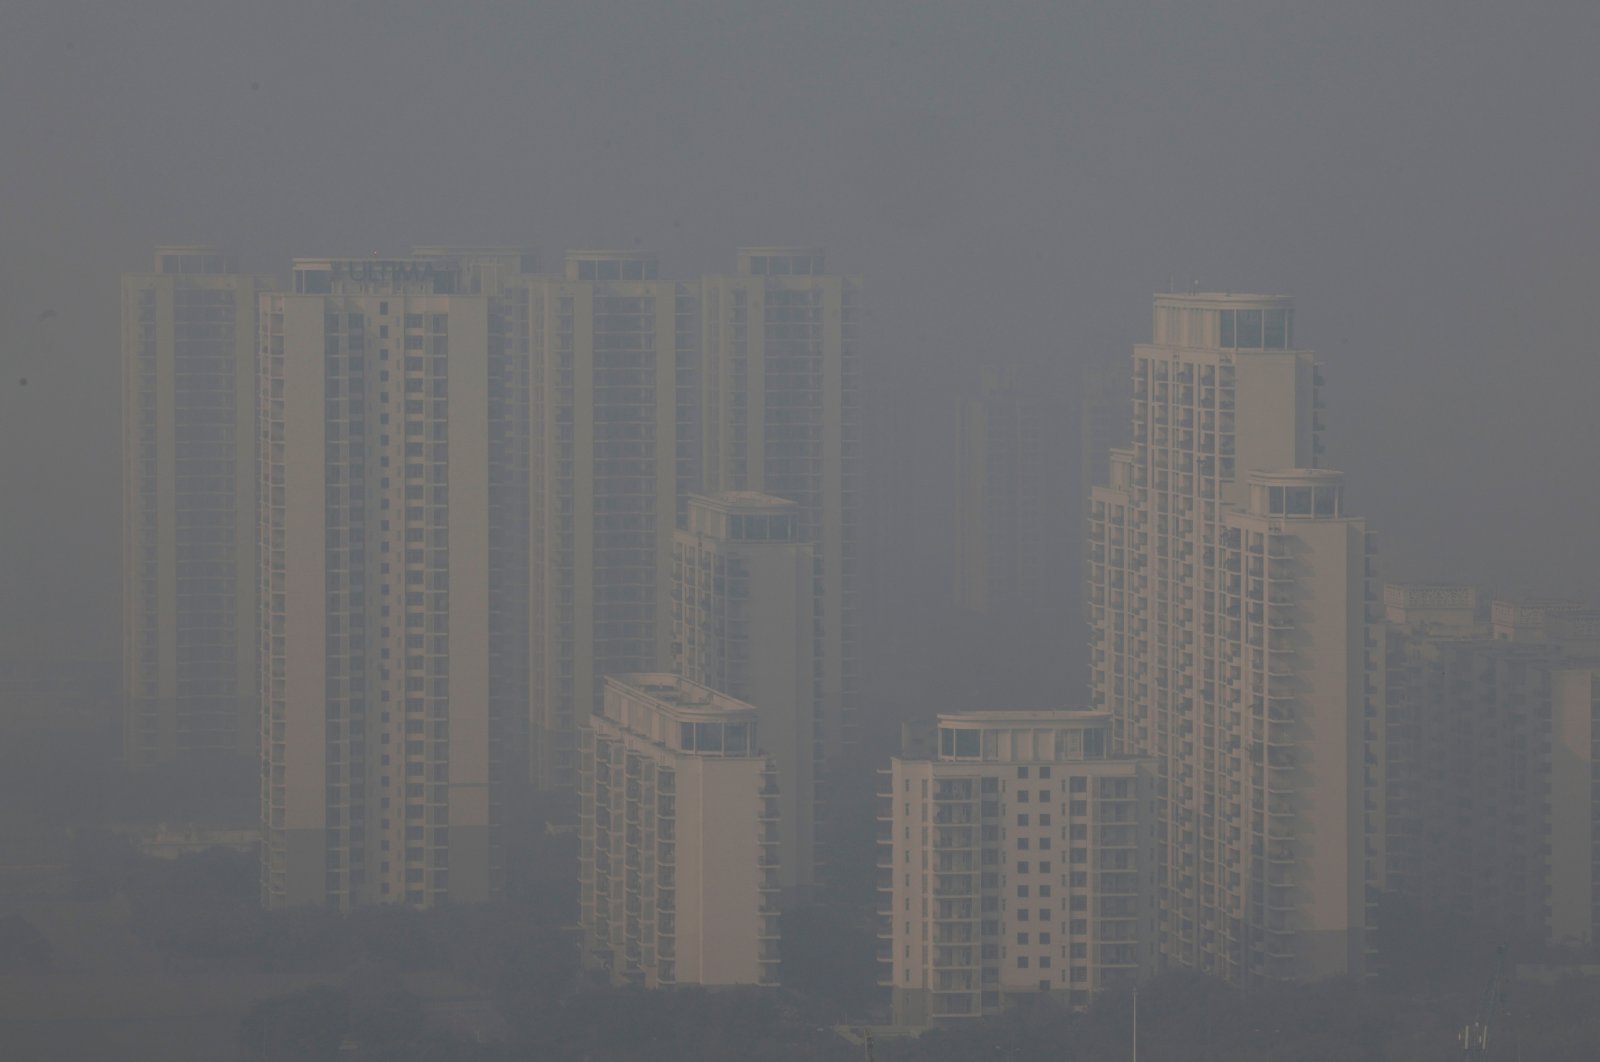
1235	640
678	827
1016	856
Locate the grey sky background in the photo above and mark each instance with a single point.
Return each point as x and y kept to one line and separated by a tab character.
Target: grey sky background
1012	180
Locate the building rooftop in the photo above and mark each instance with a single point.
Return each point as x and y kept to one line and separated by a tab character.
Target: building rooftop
743	501
678	695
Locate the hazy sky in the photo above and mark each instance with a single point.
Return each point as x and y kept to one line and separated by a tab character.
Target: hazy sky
1010	179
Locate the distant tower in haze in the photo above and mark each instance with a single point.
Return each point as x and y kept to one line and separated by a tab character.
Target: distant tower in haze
742	608
189	506
1235	640
379	743
780	391
1102	419
1014	505
609	343
1493	798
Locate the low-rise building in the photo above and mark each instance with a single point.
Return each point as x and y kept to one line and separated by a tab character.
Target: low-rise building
678	827
1016	857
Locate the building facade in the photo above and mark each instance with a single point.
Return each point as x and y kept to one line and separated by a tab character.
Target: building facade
779	413
608	342
1235	640
374	577
1017	856
1492	797
678	836
742	624
189	516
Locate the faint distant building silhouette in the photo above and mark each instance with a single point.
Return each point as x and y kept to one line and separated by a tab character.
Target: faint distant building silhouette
379	743
611	348
1102	419
1492	798
189	506
1017	857
779	380
1236	640
742	624
1015	475
678	828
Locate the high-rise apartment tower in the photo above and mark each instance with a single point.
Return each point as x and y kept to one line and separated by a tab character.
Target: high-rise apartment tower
189	506
779	384
608	343
1235	640
742	607
374	496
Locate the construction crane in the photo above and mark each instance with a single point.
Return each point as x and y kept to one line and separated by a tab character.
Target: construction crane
1475	1034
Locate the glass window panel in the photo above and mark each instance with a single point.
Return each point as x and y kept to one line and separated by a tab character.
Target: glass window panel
1249	329
708	737
1275	327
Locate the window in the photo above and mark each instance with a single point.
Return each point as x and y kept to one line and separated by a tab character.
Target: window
1022	962
1248	329
1022	892
1022	867
1022	820
1022	938
1044	820
962	743
1275	329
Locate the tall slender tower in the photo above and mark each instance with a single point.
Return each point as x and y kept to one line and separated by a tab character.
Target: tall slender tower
1235	639
742	624
780	414
188	525
608	341
374	586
